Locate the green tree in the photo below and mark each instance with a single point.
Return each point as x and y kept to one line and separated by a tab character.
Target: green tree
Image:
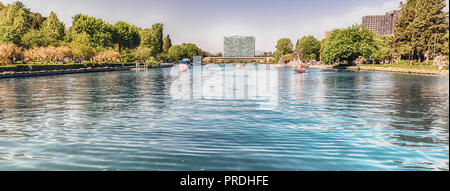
177	52
284	46
421	28
192	50
349	44
431	25
13	24
100	33
81	47
384	44
146	37
37	38
142	53
126	35
167	43
53	27
35	20
307	46
446	44
156	41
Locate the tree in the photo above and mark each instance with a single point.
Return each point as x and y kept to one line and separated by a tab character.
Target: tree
177	52
8	52
142	53
146	37
53	27
384	45
349	44
192	50
37	38
156	41
421	29
100	33
431	25
284	46
167	43
13	24
126	35
307	46
446	44
35	20
81	46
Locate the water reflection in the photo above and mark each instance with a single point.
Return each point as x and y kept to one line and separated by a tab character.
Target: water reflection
224	118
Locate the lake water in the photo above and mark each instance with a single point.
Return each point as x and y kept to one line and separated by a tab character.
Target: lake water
224	118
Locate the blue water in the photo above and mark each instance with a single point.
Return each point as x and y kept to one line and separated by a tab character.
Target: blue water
254	118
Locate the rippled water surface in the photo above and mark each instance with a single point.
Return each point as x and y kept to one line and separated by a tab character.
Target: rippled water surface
255	118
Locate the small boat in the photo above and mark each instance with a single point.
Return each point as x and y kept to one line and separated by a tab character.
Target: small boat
300	71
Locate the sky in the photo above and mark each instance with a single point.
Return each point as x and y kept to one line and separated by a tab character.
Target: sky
206	22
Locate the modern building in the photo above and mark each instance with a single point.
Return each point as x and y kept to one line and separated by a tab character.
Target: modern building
381	24
239	46
326	34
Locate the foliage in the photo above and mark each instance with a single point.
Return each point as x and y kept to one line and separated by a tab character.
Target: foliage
307	48
126	35
284	46
421	28
178	52
349	44
142	53
156	43
13	24
48	54
100	33
81	46
109	55
53	27
384	44
167	43
8	52
37	38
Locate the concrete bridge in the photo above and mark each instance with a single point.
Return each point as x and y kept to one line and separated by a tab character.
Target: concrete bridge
236	59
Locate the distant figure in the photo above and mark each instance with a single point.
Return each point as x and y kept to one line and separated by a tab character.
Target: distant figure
183	68
206	67
300	67
239	66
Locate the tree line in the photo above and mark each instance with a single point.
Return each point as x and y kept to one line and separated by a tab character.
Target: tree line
31	37
421	33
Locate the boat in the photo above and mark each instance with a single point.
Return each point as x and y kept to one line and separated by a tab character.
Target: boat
300	71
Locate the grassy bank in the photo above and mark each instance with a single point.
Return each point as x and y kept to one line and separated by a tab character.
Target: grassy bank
403	67
70	66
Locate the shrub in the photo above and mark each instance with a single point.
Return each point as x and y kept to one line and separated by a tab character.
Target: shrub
8	52
48	54
108	56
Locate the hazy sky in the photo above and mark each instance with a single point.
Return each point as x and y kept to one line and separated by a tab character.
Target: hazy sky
206	22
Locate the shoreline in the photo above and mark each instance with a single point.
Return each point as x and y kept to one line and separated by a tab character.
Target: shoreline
398	70
386	69
20	74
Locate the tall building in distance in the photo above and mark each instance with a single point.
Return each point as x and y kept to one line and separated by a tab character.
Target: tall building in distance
381	24
326	34
239	46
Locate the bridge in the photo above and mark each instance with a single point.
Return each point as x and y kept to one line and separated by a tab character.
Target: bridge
236	59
